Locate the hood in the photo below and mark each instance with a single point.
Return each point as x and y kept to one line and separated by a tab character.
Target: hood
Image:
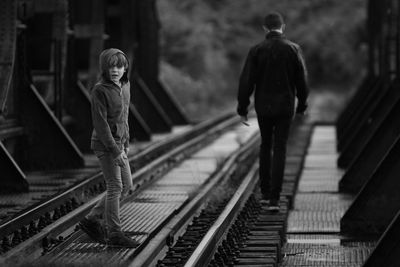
103	59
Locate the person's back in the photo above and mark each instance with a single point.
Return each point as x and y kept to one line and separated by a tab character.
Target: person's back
275	69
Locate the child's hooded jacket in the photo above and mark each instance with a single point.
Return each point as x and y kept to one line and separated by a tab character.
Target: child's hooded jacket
110	108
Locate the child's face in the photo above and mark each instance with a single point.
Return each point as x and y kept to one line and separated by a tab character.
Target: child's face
115	73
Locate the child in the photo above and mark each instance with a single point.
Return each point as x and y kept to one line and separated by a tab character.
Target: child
110	100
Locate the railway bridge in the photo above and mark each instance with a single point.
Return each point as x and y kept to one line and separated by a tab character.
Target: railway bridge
195	200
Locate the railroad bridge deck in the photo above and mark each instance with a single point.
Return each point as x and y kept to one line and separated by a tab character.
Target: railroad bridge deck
195	200
311	208
308	227
313	232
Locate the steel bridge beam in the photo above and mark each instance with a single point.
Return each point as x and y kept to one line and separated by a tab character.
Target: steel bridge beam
8	34
370	82
375	150
147	58
355	102
149	108
77	102
387	251
358	113
48	145
368	124
137	125
379	200
361	116
12	178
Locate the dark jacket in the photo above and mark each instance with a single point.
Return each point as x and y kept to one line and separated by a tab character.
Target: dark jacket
110	108
275	69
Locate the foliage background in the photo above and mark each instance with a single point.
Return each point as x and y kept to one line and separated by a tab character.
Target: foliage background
204	44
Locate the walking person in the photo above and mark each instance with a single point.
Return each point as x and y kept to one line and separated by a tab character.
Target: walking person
276	72
110	99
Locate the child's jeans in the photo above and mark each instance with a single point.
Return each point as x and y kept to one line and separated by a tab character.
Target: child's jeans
118	182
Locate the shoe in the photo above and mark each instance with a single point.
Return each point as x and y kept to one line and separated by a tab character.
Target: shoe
93	229
120	239
273	205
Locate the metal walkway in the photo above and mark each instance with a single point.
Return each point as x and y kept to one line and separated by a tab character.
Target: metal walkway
313	232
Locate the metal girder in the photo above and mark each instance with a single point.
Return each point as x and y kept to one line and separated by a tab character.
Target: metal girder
386	252
362	115
149	108
12	178
364	132
88	19
147	57
170	103
374	24
8	33
48	31
373	152
76	102
379	200
138	126
48	144
382	41
352	106
78	106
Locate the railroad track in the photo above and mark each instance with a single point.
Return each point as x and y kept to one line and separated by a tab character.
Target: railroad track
63	209
166	205
159	213
238	231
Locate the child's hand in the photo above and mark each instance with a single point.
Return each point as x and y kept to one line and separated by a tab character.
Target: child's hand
119	161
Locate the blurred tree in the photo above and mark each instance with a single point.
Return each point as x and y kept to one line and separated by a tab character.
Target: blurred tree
204	44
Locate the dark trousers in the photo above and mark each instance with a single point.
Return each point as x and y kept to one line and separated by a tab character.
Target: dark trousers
274	135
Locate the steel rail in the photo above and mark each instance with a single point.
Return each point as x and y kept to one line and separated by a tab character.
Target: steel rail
207	247
150	252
